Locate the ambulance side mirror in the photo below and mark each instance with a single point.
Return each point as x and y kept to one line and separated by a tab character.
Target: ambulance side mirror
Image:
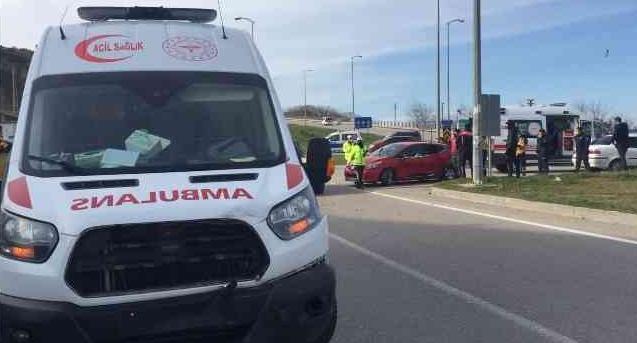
318	157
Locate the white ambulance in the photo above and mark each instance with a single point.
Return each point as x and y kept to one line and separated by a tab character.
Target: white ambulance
153	192
558	120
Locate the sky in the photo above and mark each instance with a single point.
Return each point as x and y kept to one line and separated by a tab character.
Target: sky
549	50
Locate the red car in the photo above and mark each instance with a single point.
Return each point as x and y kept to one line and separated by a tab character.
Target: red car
404	161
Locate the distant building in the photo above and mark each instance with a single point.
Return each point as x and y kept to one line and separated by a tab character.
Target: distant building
14	64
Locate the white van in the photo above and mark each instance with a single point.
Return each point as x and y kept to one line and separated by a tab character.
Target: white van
154	193
338	138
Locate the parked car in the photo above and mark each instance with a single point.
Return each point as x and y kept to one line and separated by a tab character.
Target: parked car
327	121
603	155
404	161
337	139
405	133
390	140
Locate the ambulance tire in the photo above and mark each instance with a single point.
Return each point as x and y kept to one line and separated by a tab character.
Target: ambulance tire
318	187
318	154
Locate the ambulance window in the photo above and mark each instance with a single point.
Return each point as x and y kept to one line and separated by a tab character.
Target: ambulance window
529	128
140	122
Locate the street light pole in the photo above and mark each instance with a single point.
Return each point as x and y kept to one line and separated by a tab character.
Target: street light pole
449	64
438	70
477	92
353	97
249	20
305	95
395	113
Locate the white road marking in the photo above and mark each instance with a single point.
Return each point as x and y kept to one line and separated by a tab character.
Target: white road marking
513	220
464	296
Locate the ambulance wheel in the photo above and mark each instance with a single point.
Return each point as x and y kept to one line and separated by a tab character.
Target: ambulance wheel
318	155
318	186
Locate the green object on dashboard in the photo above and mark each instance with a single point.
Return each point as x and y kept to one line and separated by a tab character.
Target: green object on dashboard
89	159
145	143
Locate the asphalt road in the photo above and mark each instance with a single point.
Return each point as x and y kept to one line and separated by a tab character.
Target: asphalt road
412	268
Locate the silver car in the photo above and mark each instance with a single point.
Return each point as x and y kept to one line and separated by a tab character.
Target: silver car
603	155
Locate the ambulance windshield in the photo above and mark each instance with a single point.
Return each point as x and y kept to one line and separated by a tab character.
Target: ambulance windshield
136	122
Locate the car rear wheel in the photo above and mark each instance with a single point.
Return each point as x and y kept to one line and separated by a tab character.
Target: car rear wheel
387	177
616	165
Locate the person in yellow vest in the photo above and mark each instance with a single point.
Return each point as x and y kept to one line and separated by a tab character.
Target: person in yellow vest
347	148
520	156
357	160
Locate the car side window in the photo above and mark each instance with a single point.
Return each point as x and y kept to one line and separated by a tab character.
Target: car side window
421	150
409	152
633	142
334	138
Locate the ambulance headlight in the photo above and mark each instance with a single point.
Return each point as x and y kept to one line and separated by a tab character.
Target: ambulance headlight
295	216
26	240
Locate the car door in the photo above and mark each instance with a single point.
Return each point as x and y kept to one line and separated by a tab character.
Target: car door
429	163
407	166
438	160
420	163
631	155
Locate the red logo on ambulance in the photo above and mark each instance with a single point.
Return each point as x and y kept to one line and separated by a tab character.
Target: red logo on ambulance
190	48
108	48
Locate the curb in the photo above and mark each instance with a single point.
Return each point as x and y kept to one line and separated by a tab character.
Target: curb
582	213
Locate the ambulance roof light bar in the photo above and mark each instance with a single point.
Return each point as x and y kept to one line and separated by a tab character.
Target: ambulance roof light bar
195	15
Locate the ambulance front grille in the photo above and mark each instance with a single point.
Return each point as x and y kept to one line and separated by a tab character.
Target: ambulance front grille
134	258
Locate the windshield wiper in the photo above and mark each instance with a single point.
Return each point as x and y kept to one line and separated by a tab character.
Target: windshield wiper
65	165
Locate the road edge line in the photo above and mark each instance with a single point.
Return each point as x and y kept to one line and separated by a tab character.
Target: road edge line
513	220
582	213
473	300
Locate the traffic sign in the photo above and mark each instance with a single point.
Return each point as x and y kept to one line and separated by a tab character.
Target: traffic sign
490	115
446	124
363	122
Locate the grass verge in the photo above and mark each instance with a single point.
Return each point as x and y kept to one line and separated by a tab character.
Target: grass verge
605	191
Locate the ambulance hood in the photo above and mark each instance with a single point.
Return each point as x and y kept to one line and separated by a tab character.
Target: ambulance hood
160	197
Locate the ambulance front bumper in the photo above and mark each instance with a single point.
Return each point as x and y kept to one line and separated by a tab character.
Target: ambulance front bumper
297	308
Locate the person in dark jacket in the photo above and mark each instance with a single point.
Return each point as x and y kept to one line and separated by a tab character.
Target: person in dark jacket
582	142
511	146
543	152
620	140
465	151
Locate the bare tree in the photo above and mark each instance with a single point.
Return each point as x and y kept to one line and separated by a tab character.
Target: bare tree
421	114
597	112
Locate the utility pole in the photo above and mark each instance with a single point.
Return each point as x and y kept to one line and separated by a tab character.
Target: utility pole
477	92
438	69
353	98
395	112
